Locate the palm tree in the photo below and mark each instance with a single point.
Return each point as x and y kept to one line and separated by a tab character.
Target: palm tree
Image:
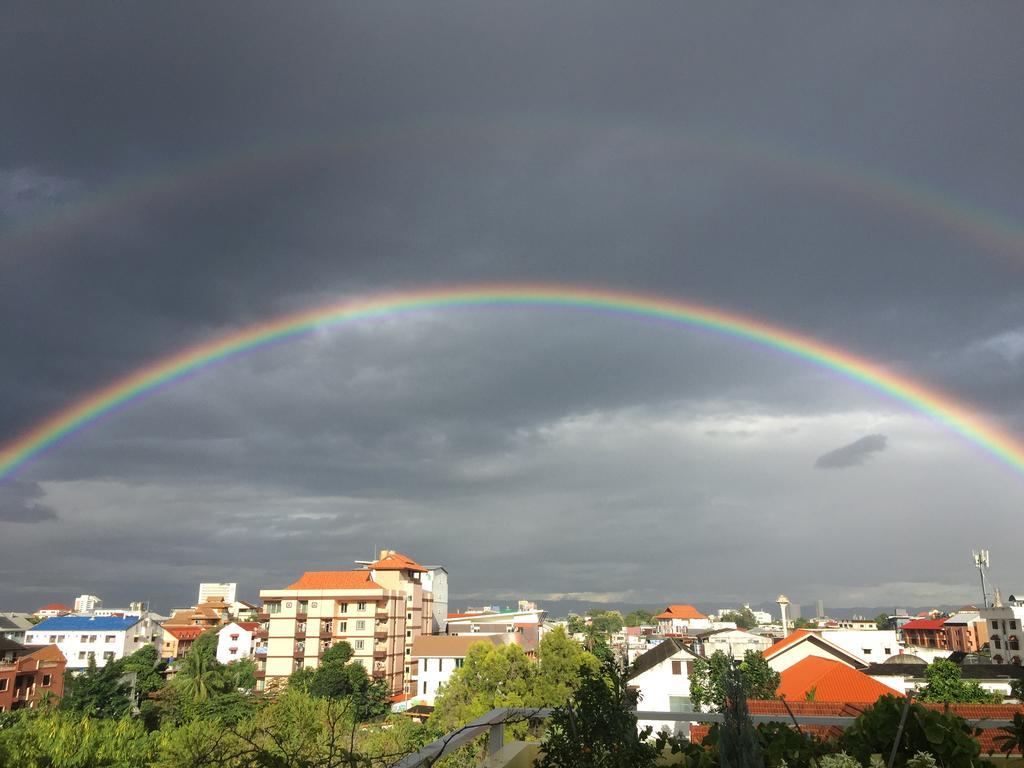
200	675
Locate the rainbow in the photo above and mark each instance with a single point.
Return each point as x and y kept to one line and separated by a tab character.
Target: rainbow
995	232
939	407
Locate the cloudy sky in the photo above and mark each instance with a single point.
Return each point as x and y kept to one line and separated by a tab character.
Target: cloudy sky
850	171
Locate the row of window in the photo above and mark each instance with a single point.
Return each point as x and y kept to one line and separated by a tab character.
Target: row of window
45	683
83	655
995	624
53	639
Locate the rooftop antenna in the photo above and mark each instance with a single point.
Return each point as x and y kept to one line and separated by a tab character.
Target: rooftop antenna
981	563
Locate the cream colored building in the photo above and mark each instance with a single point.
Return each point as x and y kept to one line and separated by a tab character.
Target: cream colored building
378	610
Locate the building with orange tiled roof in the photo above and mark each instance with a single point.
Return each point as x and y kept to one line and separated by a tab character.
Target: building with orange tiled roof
926	633
855	648
681	620
820	679
379	610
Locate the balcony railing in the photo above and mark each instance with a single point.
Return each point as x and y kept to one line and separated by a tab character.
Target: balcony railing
493	723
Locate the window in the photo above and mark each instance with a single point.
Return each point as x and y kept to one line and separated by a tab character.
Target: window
92	638
53	639
342	607
360	625
303	606
996	642
408	651
3	684
358	644
83	639
408	633
81	655
274	607
995	624
1013	625
234	637
867	651
888	651
677	668
108	655
342	627
361	607
60	638
408	617
679	704
459	663
46	681
112	638
424	687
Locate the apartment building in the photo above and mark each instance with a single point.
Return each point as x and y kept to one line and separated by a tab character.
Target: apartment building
379	610
926	633
236	640
102	638
14	625
966	631
1005	625
28	677
87	603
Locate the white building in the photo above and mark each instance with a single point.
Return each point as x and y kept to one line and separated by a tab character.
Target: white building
87	603
226	591
1005	631
436	657
236	641
681	620
733	642
662	678
435	580
871	645
103	638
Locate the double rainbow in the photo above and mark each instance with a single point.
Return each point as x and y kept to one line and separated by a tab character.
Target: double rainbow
939	407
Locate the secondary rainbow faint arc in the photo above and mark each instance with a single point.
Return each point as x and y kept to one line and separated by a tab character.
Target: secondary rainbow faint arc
940	407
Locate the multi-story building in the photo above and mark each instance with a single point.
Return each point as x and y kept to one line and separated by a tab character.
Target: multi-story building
30	676
1004	626
436	657
926	633
966	631
177	641
13	625
378	610
681	620
102	638
87	603
226	591
733	642
236	640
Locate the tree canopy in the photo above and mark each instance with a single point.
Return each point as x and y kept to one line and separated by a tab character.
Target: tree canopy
710	679
946	685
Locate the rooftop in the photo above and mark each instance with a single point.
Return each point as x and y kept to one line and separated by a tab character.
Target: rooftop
819	679
86	624
450	646
335	580
396	561
924	624
680	612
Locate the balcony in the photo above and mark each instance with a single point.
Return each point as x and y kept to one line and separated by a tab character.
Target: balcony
325	629
380	652
380	631
382	614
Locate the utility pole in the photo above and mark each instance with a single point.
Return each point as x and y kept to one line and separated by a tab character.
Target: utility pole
981	563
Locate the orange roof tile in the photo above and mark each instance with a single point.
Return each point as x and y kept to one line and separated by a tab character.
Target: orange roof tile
248	626
54	607
335	580
185	633
785	642
925	624
828	680
396	561
680	612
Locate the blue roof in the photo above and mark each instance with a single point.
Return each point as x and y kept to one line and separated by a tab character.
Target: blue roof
85	624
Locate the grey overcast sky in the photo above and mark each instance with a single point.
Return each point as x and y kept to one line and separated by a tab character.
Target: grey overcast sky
852	171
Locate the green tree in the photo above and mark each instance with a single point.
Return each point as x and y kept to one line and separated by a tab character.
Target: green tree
639	617
198	677
605	622
491	676
709	681
97	691
882	621
562	662
575	624
1017	690
597	727
946	685
241	674
743	618
47	738
146	665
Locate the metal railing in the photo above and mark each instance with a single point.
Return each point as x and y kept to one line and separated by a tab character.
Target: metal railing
493	723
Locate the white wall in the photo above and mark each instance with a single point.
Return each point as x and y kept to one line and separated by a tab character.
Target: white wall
432	672
658	686
736	644
872	645
233	643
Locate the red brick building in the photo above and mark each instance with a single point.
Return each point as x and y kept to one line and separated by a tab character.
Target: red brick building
30	678
926	633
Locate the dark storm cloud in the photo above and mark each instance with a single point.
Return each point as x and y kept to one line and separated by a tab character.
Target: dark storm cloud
854	454
168	174
19	503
